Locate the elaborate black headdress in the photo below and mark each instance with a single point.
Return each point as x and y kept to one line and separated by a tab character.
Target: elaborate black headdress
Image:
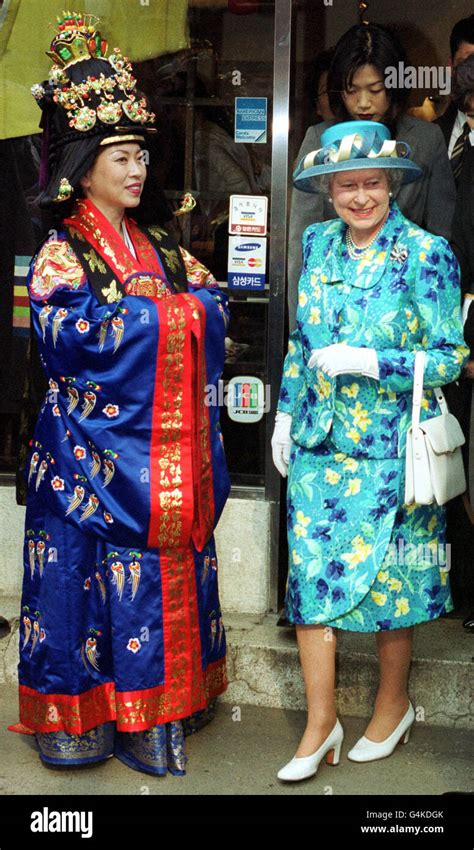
90	100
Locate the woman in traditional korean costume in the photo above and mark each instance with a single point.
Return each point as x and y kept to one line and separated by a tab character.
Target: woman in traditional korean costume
122	644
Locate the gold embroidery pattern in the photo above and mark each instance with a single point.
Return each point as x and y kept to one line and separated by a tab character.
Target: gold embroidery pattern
156	748
96	743
157	232
170	492
159	707
150	285
198	690
95	262
176	614
86	218
171	259
203	485
55	266
144	247
197	274
75	714
76	233
80	713
111	292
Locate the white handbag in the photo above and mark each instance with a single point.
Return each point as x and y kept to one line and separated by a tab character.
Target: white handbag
434	463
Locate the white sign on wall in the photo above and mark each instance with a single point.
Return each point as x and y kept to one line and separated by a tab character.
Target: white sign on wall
248	214
245	399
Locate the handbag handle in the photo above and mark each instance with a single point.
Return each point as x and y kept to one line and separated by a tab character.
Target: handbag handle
418	390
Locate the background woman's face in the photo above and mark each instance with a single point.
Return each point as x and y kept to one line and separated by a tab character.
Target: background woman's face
366	98
117	177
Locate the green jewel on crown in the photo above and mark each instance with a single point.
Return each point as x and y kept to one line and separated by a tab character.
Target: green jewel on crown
78	39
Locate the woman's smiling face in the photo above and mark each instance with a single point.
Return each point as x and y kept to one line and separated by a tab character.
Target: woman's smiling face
117	176
361	199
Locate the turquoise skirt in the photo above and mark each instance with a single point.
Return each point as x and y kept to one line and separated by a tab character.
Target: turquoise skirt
359	559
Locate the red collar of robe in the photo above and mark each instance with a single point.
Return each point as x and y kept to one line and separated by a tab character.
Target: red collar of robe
87	221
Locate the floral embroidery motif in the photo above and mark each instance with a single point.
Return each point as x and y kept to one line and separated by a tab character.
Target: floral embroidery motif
111	411
57	483
82	326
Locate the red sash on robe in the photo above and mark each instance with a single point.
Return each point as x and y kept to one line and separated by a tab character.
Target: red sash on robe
182	499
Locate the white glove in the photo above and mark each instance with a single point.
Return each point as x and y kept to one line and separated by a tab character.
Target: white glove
340	359
282	442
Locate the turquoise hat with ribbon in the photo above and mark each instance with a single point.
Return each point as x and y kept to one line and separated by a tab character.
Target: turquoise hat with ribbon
353	145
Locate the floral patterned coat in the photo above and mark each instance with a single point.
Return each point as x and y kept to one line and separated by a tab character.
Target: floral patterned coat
402	297
358	558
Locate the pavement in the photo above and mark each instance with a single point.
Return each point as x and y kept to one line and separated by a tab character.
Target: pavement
240	752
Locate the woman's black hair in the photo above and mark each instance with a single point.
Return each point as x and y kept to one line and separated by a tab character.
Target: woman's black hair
366	44
321	63
463	30
153	208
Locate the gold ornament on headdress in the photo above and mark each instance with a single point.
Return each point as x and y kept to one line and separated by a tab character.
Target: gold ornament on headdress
77	40
188	202
362	10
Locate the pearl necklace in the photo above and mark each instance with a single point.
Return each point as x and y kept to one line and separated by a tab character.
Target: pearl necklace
356	253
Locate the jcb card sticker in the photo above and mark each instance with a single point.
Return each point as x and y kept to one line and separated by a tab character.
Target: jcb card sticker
248	215
245	399
246	262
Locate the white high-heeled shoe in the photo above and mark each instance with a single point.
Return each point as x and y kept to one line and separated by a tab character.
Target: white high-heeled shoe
367	750
304	767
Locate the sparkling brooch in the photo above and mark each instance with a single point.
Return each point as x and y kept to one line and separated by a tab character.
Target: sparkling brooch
399	254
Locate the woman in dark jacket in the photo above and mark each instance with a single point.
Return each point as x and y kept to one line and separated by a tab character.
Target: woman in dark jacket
460	395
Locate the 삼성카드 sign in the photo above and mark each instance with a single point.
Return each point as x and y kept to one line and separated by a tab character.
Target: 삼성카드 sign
246	262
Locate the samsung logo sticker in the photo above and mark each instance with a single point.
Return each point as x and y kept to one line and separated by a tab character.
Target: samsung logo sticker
247	246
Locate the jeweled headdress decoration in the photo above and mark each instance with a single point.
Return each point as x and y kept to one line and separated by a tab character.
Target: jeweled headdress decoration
105	98
77	39
89	100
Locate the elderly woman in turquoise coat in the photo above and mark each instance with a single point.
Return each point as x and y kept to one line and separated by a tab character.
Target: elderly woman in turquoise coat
374	289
